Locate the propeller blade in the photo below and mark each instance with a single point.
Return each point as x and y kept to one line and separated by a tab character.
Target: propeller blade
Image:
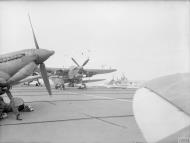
75	62
35	41
45	77
85	62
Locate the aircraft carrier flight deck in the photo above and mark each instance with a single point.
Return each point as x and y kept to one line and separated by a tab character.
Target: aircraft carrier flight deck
93	115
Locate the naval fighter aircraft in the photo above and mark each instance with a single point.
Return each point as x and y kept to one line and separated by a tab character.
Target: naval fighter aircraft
76	74
16	66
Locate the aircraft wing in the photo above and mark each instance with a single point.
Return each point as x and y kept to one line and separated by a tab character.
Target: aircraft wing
91	72
92	80
162	108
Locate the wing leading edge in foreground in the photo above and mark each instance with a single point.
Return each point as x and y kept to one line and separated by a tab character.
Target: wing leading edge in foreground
162	108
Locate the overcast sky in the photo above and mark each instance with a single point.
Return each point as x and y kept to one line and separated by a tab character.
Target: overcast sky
144	40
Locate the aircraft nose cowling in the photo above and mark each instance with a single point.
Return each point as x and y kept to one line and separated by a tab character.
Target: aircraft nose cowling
44	55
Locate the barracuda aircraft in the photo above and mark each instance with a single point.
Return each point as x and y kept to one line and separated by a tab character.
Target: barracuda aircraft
75	74
16	66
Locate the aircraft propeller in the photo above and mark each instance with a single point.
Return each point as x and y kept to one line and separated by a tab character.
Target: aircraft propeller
75	62
85	63
81	70
42	65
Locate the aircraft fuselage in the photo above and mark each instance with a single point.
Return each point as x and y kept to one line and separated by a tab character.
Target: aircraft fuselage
18	65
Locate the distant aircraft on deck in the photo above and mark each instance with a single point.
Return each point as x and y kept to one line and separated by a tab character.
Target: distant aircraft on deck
75	74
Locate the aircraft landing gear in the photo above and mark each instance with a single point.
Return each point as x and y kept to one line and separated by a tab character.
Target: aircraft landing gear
83	86
13	105
39	84
71	85
61	86
56	86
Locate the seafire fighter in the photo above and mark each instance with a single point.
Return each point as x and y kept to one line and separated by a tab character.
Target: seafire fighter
16	66
75	74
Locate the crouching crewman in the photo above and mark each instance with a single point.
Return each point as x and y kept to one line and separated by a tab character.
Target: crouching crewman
18	102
